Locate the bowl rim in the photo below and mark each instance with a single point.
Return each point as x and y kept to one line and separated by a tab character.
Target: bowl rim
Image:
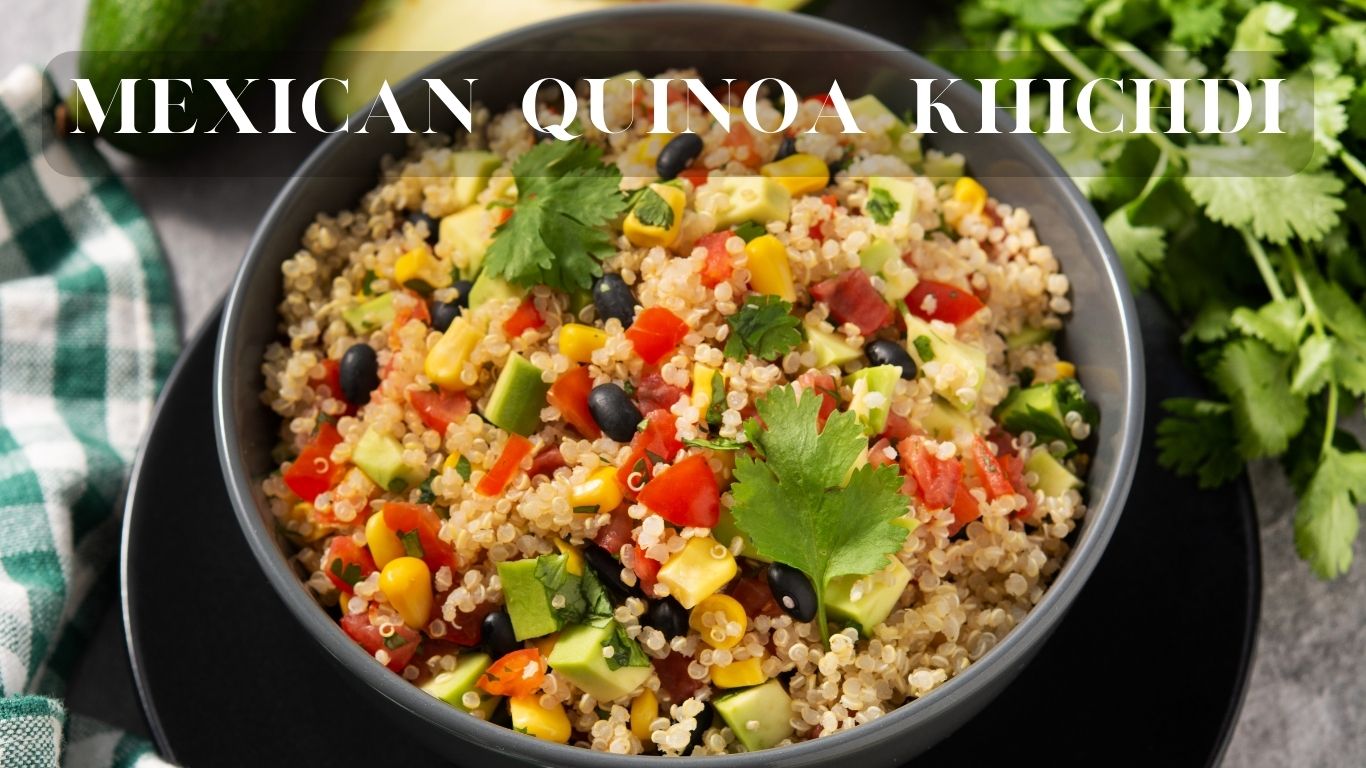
1101	519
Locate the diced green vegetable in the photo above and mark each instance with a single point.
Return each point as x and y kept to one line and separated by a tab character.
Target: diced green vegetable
966	357
830	349
370	316
380	457
1054	478
881	380
471	170
752	198
527	599
578	657
1042	409
878	595
518	397
452	686
759	716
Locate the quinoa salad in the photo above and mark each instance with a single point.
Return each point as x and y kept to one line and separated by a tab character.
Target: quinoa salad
689	443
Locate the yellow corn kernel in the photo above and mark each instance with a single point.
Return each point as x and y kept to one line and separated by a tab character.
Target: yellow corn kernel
447	357
545	644
801	174
648	235
450	462
573	559
769	270
697	571
529	717
601	492
715	633
407	584
383	542
738	674
1065	369
704	387
646	151
967	190
579	342
421	271
644	710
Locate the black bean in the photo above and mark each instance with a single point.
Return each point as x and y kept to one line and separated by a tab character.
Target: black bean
793	591
614	412
668	616
608	569
445	312
613	298
883	352
704	721
681	150
359	373
462	293
497	636
433	226
786	148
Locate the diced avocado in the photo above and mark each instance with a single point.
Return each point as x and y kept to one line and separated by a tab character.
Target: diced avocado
880	593
518	397
380	457
578	658
901	191
725	532
452	686
878	252
471	170
1042	409
528	601
1054	479
898	280
830	349
945	422
941	167
488	288
869	112
752	198
965	356
696	572
469	233
760	716
880	379
371	315
1028	337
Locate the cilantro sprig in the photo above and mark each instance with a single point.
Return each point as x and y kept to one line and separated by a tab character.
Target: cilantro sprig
1254	241
764	327
799	503
558	234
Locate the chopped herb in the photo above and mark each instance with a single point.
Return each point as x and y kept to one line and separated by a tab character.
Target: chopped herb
462	466
587	509
717	407
629	388
350	574
1026	376
653	210
394	641
715	444
764	327
426	495
924	348
412	545
881	206
625	651
750	230
398	485
584	598
367	283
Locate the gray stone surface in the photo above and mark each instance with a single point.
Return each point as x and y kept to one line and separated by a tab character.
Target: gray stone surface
1306	703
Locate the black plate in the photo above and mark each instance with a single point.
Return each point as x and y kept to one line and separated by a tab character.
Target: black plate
1151	662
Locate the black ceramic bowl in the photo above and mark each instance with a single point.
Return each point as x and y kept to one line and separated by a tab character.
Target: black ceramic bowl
726	42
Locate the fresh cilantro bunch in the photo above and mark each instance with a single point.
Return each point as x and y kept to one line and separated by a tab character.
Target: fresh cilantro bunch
558	234
1255	241
800	504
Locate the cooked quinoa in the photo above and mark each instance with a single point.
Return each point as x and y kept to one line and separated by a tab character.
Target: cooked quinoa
976	564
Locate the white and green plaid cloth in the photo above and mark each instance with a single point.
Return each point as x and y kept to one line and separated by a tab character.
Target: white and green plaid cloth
87	336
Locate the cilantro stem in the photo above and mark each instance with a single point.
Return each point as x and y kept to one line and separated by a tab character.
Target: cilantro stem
1259	257
1311	311
1354	165
1134	57
1335	16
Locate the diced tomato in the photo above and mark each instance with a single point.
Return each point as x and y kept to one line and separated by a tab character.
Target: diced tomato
314	471
823	384
753	593
830	200
657	442
718	267
503	470
411	310
468	628
989	472
617	533
653	393
877	454
400	646
569	394
331	380
965	509
656	334
345	562
546	462
405	519
647	570
519	673
523	319
674	681
697	175
936	480
853	299
898	427
1004	441
744	149
1015	471
439	409
950	304
685	493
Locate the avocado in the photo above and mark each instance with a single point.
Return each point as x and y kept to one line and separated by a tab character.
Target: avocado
380	457
452	686
725	532
578	658
830	349
489	288
876	254
1028	337
965	356
766	707
472	170
898	280
868	109
881	591
1054	478
1042	409
370	316
881	379
528	601
518	397
752	198
942	168
468	233
901	191
945	422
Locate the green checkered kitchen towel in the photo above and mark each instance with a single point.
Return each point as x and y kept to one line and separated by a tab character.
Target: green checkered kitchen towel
87	336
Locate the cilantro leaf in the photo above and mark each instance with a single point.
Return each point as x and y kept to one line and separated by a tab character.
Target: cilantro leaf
795	504
581	599
558	233
749	230
1326	521
715	444
1220	180
1256	380
764	327
1197	439
1195	23
1039	15
1276	323
1257	42
625	651
881	206
653	210
1139	247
